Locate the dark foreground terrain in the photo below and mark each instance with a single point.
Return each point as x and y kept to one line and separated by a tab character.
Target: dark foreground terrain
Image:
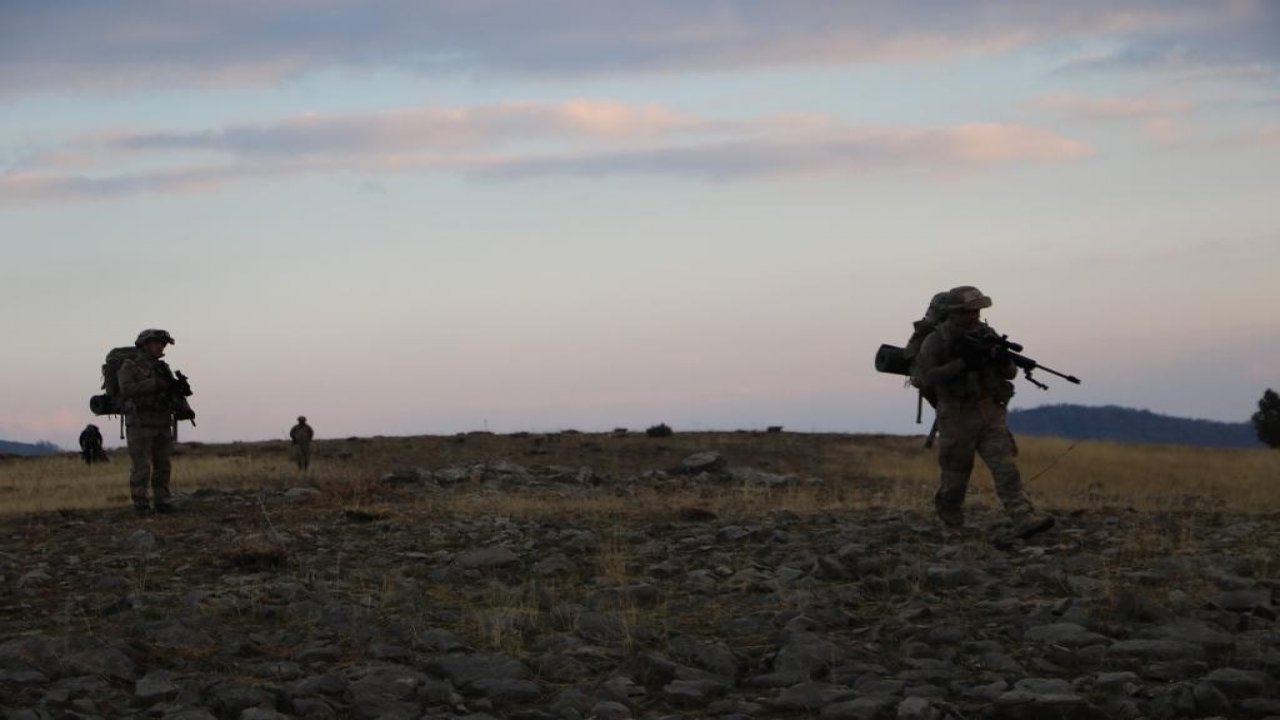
497	590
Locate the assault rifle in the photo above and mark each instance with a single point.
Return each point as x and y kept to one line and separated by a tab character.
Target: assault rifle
178	389
984	342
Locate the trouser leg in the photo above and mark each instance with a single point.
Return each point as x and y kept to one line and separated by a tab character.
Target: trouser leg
956	445
140	453
161	468
997	449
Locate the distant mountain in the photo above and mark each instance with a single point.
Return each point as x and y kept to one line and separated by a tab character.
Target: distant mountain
16	448
1111	422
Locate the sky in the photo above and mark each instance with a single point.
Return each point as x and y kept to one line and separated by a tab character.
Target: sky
443	216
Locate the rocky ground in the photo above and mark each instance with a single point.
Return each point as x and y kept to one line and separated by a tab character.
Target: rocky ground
299	603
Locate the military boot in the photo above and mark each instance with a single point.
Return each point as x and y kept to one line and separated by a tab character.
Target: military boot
1031	524
951	517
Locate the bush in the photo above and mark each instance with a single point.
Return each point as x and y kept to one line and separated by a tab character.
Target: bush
659	430
1266	422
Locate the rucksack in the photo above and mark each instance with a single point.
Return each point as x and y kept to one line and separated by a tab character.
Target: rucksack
110	402
896	360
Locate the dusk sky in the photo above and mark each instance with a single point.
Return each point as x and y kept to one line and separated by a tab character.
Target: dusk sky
404	218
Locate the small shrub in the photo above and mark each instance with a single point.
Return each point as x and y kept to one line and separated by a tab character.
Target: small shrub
659	431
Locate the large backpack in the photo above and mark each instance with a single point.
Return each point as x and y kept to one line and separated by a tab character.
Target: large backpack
110	402
896	360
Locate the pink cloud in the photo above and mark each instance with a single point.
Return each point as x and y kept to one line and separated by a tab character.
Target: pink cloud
1268	136
1105	108
1004	143
585	136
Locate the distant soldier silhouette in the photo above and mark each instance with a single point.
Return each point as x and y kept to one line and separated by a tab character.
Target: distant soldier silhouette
973	388
91	445
152	410
300	435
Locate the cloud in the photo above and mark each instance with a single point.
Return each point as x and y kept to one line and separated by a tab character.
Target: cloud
1106	108
1230	38
1265	137
517	139
1156	115
100	47
837	151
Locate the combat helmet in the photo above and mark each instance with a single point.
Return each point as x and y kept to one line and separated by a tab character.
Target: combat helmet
966	297
153	334
938	306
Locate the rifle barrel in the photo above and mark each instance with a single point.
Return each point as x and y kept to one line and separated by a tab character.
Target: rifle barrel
1027	363
1064	376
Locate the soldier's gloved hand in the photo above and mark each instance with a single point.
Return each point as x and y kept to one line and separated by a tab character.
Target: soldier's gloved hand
974	356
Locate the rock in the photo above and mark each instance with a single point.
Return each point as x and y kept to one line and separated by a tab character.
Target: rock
917	708
953	576
694	693
715	657
1243	600
301	494
702	462
609	710
154	687
451	476
404	476
561	669
805	653
34	578
489	558
104	662
1149	650
506	690
32	653
557	564
139	541
863	708
1239	684
466	669
1210	700
385	691
732	533
262	714
810	696
1133	607
1068	634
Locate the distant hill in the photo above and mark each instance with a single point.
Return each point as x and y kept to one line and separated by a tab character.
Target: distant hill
1111	422
8	447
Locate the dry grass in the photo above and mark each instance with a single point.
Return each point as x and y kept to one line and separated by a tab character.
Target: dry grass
859	470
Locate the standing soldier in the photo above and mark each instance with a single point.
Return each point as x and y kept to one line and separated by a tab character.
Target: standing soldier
300	435
91	445
973	388
151	410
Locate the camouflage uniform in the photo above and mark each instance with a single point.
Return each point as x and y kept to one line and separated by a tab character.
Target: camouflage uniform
149	421
972	418
91	445
300	435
